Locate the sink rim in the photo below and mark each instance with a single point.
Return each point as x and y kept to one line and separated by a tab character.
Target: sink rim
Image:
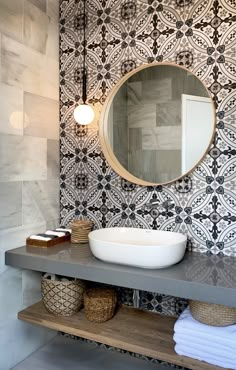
95	235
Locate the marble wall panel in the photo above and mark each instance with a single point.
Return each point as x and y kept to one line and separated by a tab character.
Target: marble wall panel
17	339
11	112
11	204
52	44
162	138
0	57
40	201
53	159
53	8
140	116
41	4
11	18
15	237
29	70
41	116
28	64
31	287
22	158
36	24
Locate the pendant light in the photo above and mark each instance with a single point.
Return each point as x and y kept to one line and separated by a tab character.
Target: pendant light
83	113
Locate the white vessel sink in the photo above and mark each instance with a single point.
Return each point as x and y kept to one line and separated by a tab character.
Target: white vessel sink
138	247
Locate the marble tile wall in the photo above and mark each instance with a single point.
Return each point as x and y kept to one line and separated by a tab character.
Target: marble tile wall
29	157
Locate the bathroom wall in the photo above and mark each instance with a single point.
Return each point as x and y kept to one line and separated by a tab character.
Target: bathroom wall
29	157
122	35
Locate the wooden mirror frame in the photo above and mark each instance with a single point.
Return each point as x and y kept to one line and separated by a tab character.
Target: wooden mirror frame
103	129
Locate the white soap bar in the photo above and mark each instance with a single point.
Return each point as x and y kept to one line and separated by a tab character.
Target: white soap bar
38	237
50	232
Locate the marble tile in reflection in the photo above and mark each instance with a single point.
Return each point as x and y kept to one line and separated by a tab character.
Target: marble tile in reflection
135	138
22	158
41	116
40	201
11	18
134	92
53	159
169	114
42	78
154	92
155	166
140	116
11	204
11	112
162	138
53	8
36	25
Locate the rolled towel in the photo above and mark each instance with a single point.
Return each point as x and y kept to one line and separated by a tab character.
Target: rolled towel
214	360
51	277
205	348
38	237
56	233
62	229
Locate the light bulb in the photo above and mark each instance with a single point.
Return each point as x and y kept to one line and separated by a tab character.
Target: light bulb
84	114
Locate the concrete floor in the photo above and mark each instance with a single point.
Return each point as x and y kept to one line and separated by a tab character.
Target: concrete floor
63	353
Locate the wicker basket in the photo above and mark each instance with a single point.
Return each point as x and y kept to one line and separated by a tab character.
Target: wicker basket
62	298
100	304
80	230
213	314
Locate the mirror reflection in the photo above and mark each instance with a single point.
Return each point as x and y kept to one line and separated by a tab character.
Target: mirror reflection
159	124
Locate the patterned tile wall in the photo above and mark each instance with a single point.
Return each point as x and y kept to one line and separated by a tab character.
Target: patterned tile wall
121	35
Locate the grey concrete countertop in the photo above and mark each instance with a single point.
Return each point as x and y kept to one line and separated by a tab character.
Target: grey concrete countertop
198	276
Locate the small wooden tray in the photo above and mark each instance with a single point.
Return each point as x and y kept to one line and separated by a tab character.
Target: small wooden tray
47	243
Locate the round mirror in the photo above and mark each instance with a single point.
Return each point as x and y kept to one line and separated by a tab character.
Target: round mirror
157	124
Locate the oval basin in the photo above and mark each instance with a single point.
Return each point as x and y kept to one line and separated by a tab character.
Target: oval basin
138	247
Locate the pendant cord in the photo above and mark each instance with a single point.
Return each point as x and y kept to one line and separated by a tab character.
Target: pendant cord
84	79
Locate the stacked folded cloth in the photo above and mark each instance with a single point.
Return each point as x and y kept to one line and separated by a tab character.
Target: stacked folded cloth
212	344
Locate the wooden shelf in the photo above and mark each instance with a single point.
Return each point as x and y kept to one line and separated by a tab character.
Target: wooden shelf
133	330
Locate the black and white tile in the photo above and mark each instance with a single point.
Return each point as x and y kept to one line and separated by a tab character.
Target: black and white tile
122	35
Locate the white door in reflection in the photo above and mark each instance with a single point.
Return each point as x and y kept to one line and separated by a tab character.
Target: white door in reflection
197	116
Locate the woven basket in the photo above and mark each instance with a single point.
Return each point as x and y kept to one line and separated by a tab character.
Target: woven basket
100	304
62	298
80	230
213	314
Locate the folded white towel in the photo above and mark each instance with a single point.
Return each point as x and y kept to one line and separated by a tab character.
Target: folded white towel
56	233
206	348
202	337
214	360
187	322
38	237
61	229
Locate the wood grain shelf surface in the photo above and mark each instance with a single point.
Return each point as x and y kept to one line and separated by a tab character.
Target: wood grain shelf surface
133	330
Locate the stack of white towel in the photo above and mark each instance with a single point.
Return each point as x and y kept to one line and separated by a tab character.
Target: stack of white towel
215	345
